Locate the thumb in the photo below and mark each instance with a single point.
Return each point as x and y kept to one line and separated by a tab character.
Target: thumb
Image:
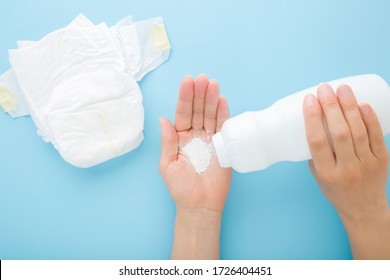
169	143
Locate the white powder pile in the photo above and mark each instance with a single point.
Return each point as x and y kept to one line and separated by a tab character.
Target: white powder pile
198	153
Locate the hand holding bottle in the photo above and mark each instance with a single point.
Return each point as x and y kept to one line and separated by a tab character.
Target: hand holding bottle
254	140
351	167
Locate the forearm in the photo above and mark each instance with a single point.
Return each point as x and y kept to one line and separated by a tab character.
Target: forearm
197	234
370	239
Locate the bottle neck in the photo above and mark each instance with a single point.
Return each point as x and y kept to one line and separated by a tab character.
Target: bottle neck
220	150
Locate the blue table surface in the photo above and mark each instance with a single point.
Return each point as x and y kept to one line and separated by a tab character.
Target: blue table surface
259	51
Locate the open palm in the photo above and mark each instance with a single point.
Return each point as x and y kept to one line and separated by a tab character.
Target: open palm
200	112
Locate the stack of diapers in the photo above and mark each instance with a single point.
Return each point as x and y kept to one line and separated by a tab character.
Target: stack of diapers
79	84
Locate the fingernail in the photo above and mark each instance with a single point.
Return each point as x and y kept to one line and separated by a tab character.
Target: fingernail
309	100
323	89
344	92
365	109
187	76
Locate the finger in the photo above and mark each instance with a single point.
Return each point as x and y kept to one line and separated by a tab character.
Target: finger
169	142
317	138
211	105
183	117
222	112
374	130
337	126
198	106
354	120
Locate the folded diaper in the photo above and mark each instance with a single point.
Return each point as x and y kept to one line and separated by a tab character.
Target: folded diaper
79	84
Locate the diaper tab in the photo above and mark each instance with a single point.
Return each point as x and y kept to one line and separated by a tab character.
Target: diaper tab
11	95
143	44
159	38
7	101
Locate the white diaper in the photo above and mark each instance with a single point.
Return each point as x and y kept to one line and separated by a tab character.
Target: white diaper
79	85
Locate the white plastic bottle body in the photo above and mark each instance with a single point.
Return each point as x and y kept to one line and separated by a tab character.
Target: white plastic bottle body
255	140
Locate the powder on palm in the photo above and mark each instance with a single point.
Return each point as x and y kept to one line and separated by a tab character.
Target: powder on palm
198	153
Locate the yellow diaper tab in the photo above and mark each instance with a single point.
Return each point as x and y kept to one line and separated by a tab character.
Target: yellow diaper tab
160	38
7	101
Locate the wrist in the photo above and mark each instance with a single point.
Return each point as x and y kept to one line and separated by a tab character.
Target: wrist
366	218
197	234
369	238
198	222
198	216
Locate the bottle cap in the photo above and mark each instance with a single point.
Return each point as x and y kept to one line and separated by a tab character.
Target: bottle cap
220	150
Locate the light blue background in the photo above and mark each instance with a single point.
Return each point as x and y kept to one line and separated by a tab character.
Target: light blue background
259	51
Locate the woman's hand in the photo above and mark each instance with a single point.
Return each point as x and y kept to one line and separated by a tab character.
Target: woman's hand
351	166
199	198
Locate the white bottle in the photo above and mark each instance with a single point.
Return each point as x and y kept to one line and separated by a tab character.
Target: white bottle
255	140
